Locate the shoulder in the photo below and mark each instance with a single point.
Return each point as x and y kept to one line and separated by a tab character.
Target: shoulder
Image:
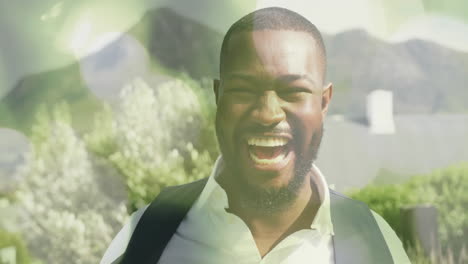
393	242
391	239
178	197
340	196
119	243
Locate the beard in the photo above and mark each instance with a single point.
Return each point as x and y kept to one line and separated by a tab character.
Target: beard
271	200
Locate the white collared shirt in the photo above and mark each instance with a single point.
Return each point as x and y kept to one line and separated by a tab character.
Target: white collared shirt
208	234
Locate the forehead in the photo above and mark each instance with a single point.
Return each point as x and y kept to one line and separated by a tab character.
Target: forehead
273	53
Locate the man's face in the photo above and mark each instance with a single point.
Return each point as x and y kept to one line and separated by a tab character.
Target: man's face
271	104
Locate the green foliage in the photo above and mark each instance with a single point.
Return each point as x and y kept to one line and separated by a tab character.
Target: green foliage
204	91
101	140
152	139
418	256
6	197
445	189
385	200
68	214
8	239
156	138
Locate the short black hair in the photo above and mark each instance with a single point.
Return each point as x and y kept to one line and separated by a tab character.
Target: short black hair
273	18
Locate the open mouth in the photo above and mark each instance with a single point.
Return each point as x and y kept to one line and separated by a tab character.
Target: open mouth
268	150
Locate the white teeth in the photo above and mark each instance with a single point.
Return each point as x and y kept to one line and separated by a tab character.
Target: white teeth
267	141
258	160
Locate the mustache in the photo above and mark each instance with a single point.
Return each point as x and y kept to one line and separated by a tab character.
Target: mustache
273	129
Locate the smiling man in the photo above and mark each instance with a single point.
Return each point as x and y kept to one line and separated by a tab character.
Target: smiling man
265	201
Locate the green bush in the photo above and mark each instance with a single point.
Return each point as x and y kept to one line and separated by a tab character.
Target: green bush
444	188
69	215
385	200
8	239
157	137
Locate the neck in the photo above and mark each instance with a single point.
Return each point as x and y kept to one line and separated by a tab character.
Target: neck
270	228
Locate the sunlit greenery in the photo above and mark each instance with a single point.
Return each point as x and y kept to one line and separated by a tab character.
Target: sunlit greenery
157	138
154	138
8	239
67	213
445	189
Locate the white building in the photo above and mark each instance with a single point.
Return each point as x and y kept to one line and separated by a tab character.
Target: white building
379	112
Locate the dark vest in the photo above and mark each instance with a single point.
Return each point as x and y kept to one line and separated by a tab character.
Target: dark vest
357	239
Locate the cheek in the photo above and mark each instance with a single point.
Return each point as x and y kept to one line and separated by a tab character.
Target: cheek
231	112
309	109
306	118
228	119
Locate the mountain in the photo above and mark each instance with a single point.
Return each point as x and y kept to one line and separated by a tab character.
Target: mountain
179	43
19	107
425	78
174	44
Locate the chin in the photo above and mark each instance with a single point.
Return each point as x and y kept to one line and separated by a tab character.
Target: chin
273	179
269	192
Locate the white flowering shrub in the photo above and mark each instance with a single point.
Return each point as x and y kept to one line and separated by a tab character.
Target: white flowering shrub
69	218
150	139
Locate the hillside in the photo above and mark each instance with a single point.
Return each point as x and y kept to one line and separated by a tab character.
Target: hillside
178	43
425	78
19	107
174	45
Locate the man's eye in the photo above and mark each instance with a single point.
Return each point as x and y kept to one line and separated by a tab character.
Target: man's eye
240	94
293	93
241	90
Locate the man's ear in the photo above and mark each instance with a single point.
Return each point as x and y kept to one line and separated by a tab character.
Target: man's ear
326	98
216	89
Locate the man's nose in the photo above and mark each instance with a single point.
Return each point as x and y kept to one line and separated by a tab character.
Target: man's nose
268	110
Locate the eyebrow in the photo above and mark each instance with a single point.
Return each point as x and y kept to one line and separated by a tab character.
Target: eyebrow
286	78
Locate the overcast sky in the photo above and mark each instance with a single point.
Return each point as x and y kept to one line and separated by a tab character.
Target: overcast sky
41	35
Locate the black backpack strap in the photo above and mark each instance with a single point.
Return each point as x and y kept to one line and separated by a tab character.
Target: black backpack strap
159	222
357	239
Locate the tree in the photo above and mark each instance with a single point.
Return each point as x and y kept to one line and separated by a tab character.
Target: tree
150	138
69	218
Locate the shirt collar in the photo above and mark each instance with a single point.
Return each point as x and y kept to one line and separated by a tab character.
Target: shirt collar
214	197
